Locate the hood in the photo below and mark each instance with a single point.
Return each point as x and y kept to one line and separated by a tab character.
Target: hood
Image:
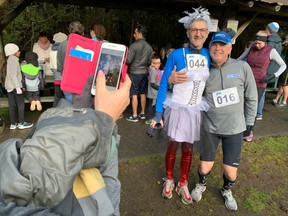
274	38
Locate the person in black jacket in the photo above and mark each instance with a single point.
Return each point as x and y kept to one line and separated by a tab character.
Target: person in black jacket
138	60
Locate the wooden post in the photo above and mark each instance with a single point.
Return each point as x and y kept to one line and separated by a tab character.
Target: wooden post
2	62
244	26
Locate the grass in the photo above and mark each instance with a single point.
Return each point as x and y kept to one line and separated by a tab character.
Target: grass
256	200
4	113
261	187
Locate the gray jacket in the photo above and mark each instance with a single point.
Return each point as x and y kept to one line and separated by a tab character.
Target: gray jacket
14	77
231	119
275	42
64	142
139	57
61	53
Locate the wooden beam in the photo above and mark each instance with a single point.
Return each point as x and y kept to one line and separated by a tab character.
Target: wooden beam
244	26
262	7
2	2
11	16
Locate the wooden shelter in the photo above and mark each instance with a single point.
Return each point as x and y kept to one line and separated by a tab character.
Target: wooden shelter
244	11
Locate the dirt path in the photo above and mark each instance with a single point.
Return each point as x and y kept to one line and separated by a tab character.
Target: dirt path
142	178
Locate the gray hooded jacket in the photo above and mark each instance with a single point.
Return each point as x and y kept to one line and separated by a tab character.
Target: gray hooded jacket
275	42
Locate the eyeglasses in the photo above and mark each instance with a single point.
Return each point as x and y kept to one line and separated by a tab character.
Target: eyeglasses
202	30
156	62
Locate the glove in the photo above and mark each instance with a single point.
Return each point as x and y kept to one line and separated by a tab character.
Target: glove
18	90
269	78
249	128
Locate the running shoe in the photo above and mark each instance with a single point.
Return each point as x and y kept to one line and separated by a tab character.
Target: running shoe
24	125
230	202
141	116
281	105
168	187
197	192
259	118
132	118
249	137
13	126
184	193
148	122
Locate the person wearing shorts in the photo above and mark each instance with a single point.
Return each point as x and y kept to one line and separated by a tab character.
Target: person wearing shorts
282	91
138	60
231	94
282	81
139	84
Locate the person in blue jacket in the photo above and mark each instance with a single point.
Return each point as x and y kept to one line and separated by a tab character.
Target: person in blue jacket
183	109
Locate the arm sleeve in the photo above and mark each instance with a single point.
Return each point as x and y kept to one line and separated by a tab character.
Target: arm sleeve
162	91
61	57
277	58
131	54
244	55
13	70
250	96
153	74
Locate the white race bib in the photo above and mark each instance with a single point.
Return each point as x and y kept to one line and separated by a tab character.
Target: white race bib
196	62
226	97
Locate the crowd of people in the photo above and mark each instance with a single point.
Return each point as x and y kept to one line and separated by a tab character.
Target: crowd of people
192	92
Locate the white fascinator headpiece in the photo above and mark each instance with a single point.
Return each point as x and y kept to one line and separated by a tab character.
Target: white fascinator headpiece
198	14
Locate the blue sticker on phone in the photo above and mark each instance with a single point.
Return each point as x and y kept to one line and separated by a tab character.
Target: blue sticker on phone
80	54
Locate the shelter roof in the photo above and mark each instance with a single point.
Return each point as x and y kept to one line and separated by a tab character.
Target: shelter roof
267	9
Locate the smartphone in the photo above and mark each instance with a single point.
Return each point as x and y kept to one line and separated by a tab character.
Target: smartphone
110	61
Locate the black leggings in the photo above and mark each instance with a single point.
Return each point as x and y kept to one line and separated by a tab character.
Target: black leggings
16	101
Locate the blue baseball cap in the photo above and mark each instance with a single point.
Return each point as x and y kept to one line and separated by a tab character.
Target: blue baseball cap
222	37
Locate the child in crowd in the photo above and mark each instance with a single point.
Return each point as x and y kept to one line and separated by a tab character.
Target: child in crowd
154	77
33	80
13	86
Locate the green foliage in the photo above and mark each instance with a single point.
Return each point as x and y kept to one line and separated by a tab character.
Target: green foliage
119	24
36	18
4	113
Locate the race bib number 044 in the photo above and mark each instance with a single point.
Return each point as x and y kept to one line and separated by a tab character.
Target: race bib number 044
196	61
226	97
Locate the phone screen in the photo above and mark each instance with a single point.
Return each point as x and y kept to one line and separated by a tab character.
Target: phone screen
110	62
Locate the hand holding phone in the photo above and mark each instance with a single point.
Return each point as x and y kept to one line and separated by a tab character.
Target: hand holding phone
112	103
110	61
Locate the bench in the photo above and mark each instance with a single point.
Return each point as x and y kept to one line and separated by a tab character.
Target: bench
44	99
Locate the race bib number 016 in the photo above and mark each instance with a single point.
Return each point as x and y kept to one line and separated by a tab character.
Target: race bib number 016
226	97
196	62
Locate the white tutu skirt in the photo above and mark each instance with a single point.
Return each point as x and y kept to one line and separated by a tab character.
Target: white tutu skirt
183	122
